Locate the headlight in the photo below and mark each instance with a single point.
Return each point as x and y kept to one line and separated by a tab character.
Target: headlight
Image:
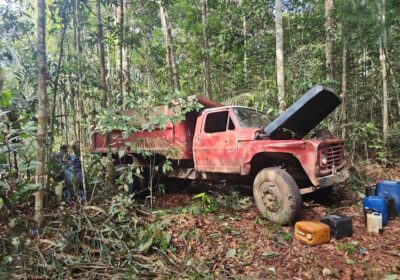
324	159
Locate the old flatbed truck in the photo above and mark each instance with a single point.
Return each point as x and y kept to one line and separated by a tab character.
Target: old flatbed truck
240	145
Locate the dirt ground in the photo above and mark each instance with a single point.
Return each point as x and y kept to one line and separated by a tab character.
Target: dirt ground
234	242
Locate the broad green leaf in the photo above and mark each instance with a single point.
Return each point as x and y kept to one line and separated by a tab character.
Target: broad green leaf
6	97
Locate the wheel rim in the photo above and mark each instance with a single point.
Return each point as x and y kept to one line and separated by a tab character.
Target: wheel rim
271	196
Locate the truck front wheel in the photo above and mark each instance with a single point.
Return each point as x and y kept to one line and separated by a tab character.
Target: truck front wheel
276	195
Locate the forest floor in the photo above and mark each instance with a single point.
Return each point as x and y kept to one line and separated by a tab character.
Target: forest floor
242	245
220	234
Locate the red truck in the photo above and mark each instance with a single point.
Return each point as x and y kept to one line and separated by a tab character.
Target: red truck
240	145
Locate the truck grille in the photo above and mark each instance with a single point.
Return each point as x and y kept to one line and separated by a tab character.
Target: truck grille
334	155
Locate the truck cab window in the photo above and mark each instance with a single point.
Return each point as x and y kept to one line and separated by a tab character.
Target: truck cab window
231	125
217	122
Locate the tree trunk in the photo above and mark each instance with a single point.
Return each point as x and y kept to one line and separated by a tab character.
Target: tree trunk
171	62
280	73
206	51
120	19
79	101
385	117
383	58
42	110
245	49
100	38
344	89
329	39
396	87
104	89
55	86
125	61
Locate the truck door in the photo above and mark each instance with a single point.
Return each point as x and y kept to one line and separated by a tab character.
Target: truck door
216	145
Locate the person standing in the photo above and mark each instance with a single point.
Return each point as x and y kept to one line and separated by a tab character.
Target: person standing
58	163
73	173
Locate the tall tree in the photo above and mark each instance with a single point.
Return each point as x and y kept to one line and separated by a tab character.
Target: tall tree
41	110
383	60
329	39
280	73
121	51
344	33
100	38
171	62
206	51
125	56
344	85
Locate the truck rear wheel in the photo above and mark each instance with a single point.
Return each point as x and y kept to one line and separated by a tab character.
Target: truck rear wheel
139	186
276	195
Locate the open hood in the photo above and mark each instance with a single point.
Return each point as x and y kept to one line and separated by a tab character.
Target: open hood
305	114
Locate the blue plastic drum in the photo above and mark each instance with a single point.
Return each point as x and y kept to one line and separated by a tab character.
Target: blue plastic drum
390	189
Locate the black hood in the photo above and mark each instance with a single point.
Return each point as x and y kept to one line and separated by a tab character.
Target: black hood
305	114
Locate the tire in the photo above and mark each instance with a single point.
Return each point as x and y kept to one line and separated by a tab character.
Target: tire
277	195
140	183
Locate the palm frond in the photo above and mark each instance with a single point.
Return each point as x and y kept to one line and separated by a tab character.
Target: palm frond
244	99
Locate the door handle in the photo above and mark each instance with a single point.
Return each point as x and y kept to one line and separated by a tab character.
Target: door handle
226	141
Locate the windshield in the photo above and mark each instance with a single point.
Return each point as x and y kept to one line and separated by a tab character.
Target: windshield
250	118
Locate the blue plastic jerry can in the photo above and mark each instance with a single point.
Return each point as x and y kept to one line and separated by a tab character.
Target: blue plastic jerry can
390	189
377	204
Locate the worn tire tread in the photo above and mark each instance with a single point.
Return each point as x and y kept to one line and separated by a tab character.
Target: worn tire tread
290	189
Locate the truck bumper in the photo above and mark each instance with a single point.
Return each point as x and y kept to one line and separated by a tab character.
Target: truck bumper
336	178
327	181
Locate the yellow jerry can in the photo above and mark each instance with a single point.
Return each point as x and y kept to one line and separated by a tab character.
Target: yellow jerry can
312	232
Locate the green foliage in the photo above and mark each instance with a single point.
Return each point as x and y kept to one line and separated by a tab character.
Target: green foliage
366	142
236	202
121	206
148	115
5	100
153	235
278	234
349	247
208	202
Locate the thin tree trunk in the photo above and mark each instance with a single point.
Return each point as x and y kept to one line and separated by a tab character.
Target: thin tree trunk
125	59
396	87
167	29
344	89
120	19
55	88
383	58
54	97
329	39
42	111
245	49
103	81
206	51
79	101
385	117
365	69
64	106
280	73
